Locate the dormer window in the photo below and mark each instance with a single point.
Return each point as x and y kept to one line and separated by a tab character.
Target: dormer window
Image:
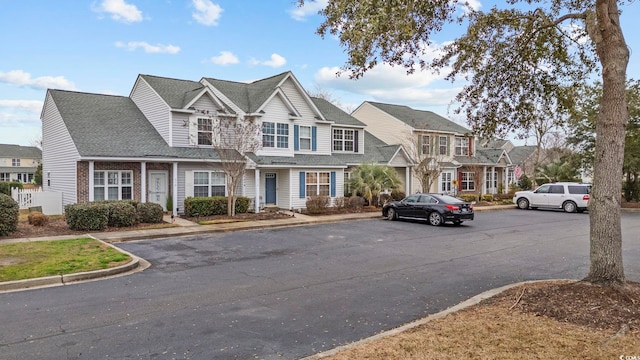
462	146
343	140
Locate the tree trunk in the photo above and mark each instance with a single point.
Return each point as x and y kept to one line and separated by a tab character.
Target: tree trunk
604	210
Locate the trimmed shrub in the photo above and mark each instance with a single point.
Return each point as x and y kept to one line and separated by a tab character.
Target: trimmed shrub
37	218
318	204
9	213
87	217
215	205
398	195
6	186
487	197
503	197
338	203
149	212
355	203
384	198
122	214
468	197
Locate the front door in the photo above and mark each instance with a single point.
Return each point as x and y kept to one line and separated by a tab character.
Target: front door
270	188
158	188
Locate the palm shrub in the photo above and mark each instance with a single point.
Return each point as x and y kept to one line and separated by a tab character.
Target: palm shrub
9	213
370	179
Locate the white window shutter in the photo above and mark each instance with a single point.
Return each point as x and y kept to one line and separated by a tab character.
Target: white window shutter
188	184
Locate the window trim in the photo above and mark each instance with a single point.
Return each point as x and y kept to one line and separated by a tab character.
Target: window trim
210	184
15	162
343	141
469	182
441	145
301	137
274	139
207	134
426	150
462	149
106	185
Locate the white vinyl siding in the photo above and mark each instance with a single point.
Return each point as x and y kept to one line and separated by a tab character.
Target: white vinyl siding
153	107
59	155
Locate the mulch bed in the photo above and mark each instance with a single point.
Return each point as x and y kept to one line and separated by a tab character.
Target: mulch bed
580	303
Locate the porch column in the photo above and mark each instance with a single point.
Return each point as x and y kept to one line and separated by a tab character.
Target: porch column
174	186
257	188
91	170
143	182
493	175
407	183
484	180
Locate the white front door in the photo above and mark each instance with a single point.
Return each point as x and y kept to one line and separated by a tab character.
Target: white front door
158	188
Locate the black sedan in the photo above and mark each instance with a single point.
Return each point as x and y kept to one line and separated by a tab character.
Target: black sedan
435	208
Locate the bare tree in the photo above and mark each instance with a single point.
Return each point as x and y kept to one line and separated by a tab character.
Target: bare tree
232	138
428	163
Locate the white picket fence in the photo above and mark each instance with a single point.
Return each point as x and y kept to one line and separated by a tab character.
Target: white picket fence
49	201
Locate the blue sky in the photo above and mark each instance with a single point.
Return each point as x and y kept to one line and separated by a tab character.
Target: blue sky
101	46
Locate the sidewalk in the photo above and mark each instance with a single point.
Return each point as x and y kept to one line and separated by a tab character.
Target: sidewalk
184	228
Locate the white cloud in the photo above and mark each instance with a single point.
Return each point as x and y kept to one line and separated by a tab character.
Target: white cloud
300	13
148	48
14	112
472	5
225	58
275	61
207	13
120	11
390	84
24	79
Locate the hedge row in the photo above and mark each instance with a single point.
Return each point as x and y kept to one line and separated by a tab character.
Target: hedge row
9	213
100	214
215	205
5	186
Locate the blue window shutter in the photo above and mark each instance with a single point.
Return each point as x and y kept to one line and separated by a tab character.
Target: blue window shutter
296	140
302	184
333	184
314	144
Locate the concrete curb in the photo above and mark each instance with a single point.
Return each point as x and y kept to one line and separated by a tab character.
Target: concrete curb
135	264
465	304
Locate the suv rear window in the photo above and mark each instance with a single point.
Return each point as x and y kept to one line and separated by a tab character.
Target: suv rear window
556	189
574	189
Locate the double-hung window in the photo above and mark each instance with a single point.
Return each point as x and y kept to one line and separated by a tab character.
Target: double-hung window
318	183
283	136
492	180
462	146
467	182
426	147
15	162
305	137
275	135
209	183
446	182
205	131
113	185
343	140
443	143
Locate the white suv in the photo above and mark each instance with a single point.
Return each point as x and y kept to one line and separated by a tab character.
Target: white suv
569	196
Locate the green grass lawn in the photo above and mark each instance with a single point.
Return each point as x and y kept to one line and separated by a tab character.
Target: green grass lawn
28	260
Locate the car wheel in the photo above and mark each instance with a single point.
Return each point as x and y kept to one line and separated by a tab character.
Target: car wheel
435	218
569	206
523	203
391	214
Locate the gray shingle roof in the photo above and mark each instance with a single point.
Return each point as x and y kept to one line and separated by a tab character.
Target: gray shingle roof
421	119
520	154
334	113
375	151
176	93
18	151
248	96
113	126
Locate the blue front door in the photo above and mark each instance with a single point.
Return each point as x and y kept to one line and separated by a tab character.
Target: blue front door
270	188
